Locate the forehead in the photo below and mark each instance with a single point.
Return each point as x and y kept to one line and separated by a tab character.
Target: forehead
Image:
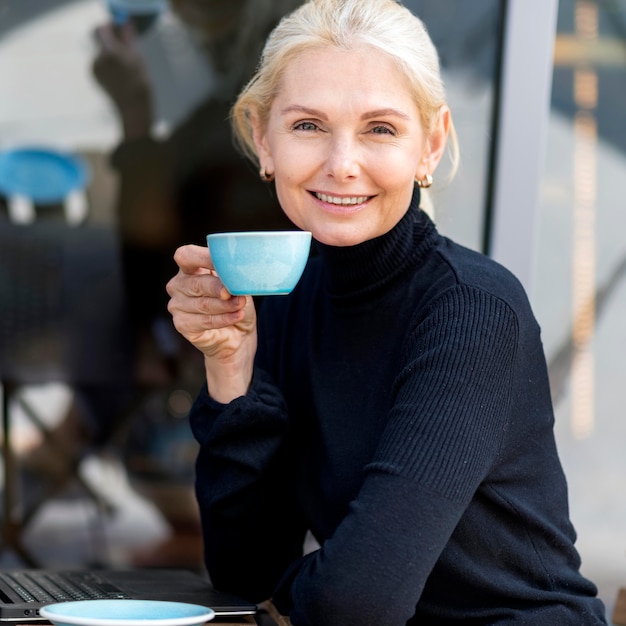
329	74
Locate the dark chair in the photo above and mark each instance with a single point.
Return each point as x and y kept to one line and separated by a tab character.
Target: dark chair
61	320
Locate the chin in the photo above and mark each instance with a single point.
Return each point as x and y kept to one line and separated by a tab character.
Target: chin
340	240
343	235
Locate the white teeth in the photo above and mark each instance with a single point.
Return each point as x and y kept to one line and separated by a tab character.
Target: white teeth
335	200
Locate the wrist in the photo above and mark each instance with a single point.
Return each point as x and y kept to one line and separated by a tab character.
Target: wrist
137	119
227	381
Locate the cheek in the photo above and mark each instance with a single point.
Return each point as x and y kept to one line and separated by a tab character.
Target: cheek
290	202
295	163
294	173
394	162
395	175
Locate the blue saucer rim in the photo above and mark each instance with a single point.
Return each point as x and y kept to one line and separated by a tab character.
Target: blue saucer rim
53	613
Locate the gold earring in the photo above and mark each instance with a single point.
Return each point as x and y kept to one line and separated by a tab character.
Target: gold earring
268	178
426	182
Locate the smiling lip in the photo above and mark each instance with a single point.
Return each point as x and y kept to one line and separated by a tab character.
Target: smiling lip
342	203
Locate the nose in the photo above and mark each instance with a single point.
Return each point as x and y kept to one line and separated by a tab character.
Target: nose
342	161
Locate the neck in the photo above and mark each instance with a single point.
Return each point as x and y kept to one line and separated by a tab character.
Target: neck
368	267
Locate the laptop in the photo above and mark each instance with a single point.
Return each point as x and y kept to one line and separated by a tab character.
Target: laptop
24	591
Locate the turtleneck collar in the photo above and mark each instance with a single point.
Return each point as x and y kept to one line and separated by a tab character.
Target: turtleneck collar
366	268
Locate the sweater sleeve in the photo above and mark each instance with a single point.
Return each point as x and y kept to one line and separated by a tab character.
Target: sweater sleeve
443	433
249	519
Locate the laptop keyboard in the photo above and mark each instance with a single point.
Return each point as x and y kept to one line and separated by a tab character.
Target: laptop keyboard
60	586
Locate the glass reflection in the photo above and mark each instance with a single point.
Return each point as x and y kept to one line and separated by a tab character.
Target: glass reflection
468	39
49	96
580	289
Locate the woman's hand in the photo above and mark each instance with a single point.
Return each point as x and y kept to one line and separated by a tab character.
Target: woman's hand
120	70
221	326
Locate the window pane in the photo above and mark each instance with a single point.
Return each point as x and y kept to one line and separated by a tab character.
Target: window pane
580	290
467	38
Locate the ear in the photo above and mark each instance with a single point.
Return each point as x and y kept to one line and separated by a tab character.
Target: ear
259	135
435	144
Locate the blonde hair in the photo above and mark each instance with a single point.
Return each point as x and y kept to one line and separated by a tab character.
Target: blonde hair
383	24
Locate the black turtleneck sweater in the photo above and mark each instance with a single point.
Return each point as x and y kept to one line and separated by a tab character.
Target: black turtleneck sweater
400	411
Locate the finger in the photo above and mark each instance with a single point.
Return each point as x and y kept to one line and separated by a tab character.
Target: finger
203	293
213	304
203	285
105	36
189	320
126	32
115	38
190	259
193	324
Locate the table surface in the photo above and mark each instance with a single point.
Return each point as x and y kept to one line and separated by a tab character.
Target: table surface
268	615
267	608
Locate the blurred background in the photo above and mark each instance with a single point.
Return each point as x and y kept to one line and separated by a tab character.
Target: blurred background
128	128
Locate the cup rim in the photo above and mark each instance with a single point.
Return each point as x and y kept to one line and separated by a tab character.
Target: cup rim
146	7
261	233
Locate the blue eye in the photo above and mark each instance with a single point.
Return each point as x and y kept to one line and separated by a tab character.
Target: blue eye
382	130
305	126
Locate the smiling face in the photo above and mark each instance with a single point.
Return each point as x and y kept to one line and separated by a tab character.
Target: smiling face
345	141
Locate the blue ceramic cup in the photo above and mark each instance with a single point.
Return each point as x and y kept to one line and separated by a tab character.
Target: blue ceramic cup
260	263
142	13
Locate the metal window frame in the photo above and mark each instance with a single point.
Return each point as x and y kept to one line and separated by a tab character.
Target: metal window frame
520	134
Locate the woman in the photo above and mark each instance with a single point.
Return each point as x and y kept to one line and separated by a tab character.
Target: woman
396	404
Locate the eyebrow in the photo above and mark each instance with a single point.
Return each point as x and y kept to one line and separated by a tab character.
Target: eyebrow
366	116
